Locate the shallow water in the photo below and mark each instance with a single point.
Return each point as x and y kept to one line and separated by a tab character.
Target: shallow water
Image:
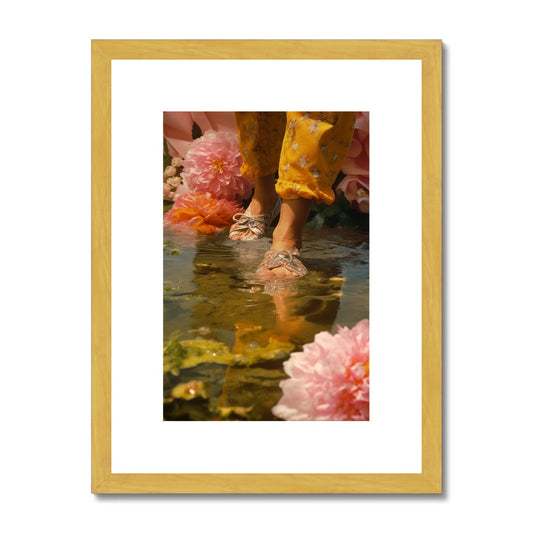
227	332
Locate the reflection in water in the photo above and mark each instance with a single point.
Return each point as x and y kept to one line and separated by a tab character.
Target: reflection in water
227	332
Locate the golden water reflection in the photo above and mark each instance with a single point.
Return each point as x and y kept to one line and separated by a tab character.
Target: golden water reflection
227	333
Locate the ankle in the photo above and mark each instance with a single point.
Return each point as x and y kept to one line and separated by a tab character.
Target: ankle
285	242
266	187
261	204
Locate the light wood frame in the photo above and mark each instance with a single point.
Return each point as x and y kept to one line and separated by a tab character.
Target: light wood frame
103	480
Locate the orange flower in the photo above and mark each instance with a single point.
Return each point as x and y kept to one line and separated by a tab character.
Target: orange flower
203	212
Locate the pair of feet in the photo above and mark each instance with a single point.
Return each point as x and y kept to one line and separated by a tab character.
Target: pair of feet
283	259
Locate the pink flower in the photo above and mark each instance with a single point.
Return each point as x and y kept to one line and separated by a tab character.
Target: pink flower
213	165
181	188
355	185
202	212
355	188
329	380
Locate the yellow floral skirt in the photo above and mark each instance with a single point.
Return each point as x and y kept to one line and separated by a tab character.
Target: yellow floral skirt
307	149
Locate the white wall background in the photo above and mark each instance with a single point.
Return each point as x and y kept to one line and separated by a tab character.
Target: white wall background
45	285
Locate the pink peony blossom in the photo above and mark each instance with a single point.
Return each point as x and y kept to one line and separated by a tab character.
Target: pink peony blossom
329	380
213	165
181	189
202	212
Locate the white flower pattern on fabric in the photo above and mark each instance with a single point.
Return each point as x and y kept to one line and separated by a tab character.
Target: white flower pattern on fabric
291	129
309	150
304	160
314	127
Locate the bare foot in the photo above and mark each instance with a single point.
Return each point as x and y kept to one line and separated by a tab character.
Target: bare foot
282	264
283	260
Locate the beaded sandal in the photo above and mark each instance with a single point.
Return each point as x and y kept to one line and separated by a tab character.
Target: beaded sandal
289	260
257	224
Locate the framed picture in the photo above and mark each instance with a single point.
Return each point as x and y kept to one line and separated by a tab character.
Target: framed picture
324	376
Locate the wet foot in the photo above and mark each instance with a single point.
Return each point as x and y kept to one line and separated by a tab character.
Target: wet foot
282	264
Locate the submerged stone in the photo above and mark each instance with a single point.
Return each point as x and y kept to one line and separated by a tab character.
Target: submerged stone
170	249
252	345
189	390
194	393
250	393
204	379
178	353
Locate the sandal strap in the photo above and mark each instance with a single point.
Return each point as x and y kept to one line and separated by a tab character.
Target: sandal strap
288	259
257	224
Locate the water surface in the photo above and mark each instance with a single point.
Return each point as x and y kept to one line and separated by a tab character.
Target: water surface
227	332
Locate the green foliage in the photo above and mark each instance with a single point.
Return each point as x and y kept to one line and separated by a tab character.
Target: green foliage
338	215
167	205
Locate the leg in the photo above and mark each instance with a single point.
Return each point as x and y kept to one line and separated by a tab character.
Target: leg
313	151
264	196
288	237
314	148
260	140
292	219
